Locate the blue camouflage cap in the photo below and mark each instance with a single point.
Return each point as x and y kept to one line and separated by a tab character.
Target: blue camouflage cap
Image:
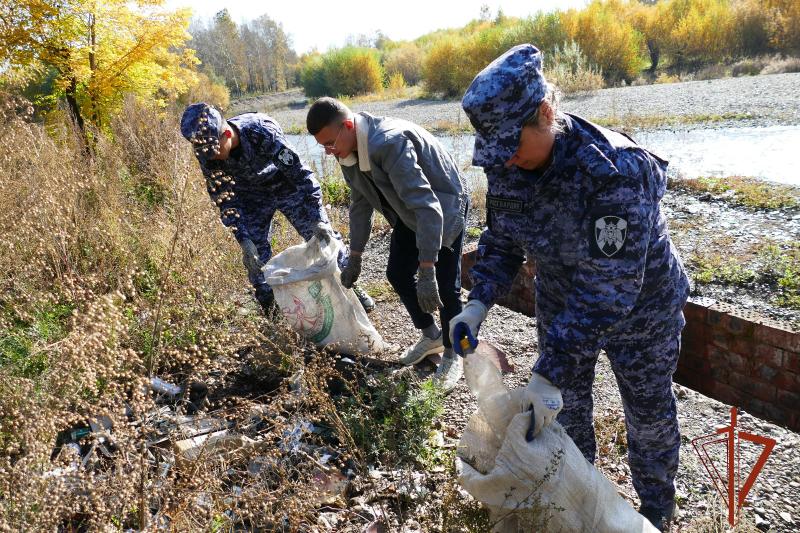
202	125
499	100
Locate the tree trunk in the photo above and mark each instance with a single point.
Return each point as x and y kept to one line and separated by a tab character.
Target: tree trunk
655	52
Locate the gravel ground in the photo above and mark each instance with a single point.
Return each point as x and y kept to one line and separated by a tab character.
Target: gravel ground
771	99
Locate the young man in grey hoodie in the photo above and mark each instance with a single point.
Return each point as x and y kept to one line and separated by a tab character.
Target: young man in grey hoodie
400	170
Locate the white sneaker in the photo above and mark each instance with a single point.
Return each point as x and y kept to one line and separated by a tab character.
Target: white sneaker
422	349
449	372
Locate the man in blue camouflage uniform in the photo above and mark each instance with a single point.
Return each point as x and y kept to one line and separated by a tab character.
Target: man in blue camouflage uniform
583	203
251	172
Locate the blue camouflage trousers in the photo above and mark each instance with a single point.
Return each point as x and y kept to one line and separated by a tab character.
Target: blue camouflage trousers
643	370
260	227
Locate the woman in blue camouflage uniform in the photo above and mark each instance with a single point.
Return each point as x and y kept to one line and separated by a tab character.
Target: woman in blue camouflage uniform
251	172
582	202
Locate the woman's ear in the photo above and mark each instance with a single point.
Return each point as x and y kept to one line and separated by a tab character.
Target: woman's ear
546	112
348	123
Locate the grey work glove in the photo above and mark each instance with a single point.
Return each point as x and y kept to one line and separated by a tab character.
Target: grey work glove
351	272
545	398
250	258
428	290
323	233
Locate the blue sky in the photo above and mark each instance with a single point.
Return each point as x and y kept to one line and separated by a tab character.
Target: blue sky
324	24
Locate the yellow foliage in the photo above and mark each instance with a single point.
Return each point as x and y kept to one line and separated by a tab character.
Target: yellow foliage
396	82
705	33
446	69
103	50
608	40
785	24
207	90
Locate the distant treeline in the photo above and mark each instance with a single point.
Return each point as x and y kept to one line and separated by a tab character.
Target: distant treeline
607	42
253	57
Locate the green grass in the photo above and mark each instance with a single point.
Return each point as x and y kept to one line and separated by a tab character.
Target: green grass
474	233
635	122
744	191
781	265
23	344
726	270
335	192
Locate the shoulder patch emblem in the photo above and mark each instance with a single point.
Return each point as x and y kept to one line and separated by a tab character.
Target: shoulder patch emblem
608	238
286	157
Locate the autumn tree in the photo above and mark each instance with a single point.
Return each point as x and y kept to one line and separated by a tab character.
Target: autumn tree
99	51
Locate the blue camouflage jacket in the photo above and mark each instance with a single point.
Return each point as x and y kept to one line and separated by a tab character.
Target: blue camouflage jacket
606	270
264	173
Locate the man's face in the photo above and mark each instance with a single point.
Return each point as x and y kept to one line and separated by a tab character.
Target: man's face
338	139
535	146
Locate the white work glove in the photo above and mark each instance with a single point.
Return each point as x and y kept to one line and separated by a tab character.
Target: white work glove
546	401
467	323
323	233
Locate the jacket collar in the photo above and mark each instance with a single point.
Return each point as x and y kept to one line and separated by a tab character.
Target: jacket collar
362	134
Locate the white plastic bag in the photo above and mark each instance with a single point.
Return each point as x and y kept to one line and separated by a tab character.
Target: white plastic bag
305	280
545	484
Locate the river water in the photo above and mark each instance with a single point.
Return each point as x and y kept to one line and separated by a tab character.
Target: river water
771	153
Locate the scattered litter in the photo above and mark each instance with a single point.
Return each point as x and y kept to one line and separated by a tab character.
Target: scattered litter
217	442
330	487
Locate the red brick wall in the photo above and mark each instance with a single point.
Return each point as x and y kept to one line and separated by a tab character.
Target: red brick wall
727	353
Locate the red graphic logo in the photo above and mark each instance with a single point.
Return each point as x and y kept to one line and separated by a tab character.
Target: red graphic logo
732	491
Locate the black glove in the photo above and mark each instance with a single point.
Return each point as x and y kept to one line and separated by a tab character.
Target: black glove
250	258
266	298
351	272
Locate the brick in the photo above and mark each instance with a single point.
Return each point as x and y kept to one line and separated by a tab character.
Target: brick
789	400
766	410
769	354
791	361
695	312
788	381
750	385
794	422
743	346
694	347
725	394
718	317
721	357
778	335
721	338
719	373
767	374
740	326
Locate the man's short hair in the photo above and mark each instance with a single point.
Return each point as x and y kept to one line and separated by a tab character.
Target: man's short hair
323	112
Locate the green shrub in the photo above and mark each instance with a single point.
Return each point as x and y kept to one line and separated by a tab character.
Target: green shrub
312	77
351	71
571	71
390	420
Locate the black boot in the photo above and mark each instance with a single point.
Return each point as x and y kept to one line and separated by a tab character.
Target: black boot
659	517
267	301
366	300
